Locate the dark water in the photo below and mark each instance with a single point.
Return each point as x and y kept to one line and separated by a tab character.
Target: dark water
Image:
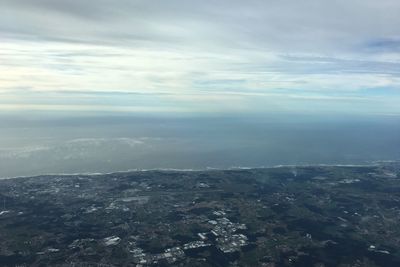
54	143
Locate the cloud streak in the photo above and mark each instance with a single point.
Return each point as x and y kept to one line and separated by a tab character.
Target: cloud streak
198	56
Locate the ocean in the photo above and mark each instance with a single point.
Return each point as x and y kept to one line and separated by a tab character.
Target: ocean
40	143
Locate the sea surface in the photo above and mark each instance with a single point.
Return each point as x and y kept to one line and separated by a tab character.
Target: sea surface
39	143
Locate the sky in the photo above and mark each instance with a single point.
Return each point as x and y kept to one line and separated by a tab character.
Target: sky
200	57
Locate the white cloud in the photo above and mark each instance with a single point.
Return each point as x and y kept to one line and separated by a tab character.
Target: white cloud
195	56
130	142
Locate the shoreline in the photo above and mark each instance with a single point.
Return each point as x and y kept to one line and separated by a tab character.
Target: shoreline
233	168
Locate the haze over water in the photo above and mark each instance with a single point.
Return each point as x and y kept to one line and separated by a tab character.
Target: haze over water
40	144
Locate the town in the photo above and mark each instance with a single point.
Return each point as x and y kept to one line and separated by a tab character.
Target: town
286	216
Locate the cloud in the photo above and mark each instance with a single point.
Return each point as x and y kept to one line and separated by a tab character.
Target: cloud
24	152
194	56
130	142
382	45
285	24
82	145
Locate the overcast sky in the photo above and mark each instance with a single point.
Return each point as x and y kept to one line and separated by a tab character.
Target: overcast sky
200	56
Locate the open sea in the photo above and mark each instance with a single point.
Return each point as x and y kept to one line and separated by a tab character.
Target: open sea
96	143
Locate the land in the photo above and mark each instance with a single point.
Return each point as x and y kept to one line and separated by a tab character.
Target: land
287	216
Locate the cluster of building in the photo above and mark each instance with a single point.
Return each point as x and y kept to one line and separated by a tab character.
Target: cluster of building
195	244
225	232
224	227
171	255
232	243
224	238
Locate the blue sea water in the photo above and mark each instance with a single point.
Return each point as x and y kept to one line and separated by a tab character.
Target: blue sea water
33	144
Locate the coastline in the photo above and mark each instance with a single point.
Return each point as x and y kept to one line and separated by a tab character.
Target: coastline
233	168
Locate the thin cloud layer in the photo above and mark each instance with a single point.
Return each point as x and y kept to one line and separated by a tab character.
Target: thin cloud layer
208	56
